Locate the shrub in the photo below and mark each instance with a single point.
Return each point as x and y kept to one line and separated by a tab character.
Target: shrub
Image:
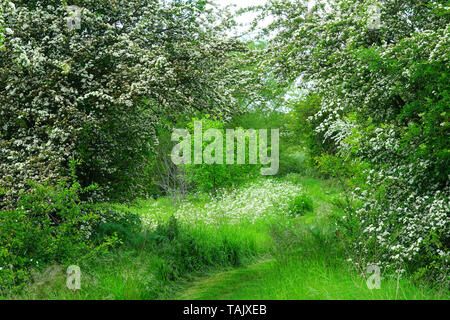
125	225
212	177
408	232
293	163
384	100
303	121
101	100
300	205
52	225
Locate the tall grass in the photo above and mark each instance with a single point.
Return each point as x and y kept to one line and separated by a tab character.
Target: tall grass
308	264
267	255
150	267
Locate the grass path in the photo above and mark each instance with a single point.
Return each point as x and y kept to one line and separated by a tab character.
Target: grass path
291	258
223	285
295	280
308	271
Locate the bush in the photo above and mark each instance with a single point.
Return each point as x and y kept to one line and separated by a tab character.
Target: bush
303	121
125	225
101	100
212	177
293	163
300	205
386	104
408	233
52	225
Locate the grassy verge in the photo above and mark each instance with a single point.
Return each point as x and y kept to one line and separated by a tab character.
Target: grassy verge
308	262
239	245
152	268
315	271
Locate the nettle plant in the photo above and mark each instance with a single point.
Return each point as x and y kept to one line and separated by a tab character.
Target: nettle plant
94	90
384	92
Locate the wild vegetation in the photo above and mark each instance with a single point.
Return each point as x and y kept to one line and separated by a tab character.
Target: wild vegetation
358	89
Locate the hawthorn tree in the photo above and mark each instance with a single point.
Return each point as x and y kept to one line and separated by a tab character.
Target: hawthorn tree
384	97
94	88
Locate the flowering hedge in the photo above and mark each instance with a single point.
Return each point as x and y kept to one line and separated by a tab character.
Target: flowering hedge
384	97
95	92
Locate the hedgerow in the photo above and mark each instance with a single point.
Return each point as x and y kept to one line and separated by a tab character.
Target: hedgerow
97	92
384	97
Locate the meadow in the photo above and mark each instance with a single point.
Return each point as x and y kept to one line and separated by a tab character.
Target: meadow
241	244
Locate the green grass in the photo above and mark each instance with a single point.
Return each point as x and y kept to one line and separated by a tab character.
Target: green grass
153	268
308	263
277	257
124	275
153	271
301	279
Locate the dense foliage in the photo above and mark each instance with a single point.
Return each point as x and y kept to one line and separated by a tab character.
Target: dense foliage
210	177
359	90
52	225
97	92
384	100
